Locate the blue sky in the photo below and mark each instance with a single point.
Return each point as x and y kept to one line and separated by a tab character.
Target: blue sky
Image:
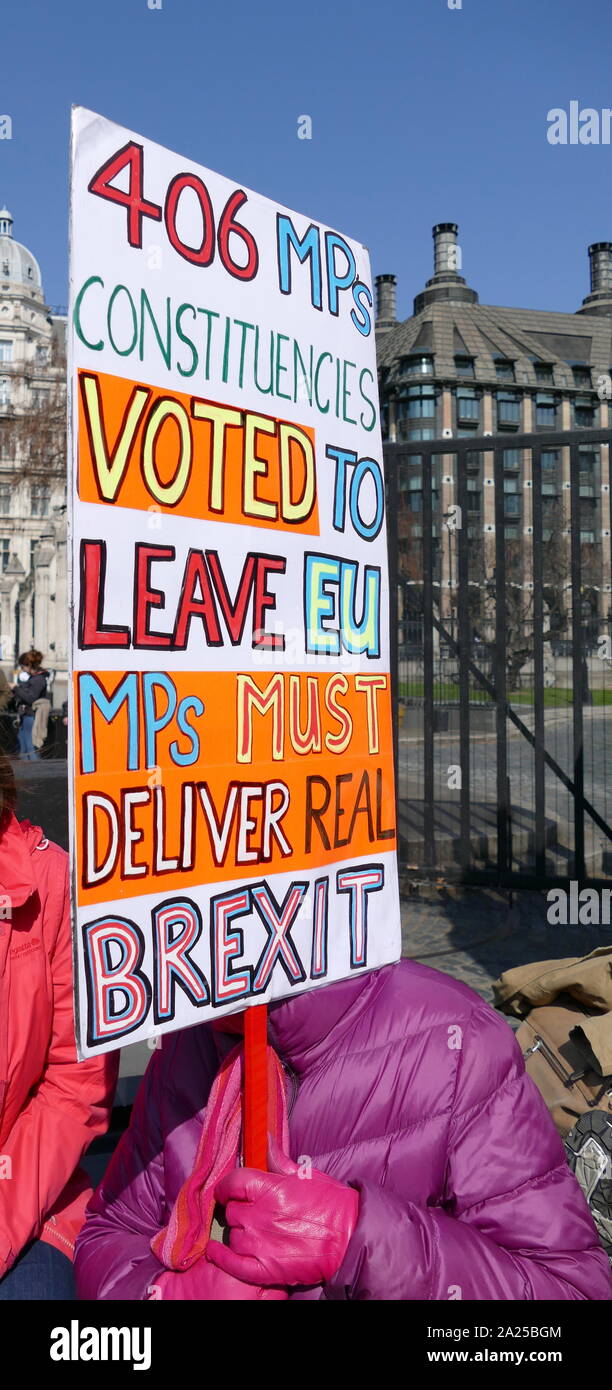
420	114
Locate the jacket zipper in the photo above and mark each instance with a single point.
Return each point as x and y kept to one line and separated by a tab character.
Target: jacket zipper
58	1235
568	1078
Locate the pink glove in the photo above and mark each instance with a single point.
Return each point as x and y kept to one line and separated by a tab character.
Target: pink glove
285	1229
205	1283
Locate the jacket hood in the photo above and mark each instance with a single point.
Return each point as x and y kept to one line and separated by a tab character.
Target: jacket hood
18	840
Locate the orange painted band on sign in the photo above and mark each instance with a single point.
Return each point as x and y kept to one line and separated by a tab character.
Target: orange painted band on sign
160	451
278	771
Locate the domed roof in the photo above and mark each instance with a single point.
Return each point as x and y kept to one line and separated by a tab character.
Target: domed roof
16	262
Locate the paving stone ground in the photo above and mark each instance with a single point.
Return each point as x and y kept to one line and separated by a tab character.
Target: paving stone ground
474	935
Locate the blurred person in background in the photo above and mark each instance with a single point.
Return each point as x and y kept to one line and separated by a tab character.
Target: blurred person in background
31	687
6	693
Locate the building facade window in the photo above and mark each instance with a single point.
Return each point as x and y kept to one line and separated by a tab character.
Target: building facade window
511	460
6	493
545	411
417	364
420	403
588	475
5	552
407	431
584	412
6	350
508	408
550	459
468	404
588	513
504	369
588	461
464	366
40	500
581	375
5	392
543	372
474	499
512	504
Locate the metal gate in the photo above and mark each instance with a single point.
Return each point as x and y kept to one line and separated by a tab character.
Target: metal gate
500	570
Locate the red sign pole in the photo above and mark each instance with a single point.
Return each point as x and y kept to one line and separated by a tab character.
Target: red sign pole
255	1104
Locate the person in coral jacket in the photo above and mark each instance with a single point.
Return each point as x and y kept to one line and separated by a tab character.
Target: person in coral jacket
412	1158
51	1105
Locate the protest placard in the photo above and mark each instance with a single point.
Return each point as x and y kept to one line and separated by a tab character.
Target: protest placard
232	828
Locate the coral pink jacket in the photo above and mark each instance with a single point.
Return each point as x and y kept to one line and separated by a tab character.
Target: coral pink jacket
51	1105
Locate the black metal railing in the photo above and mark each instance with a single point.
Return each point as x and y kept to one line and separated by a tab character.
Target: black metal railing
55	745
501	632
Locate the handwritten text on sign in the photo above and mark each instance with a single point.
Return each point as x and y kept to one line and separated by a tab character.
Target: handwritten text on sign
233	833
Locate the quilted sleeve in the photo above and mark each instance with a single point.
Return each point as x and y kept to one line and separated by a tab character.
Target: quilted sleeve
513	1224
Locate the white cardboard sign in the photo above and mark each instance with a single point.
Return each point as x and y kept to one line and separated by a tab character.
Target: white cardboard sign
232	825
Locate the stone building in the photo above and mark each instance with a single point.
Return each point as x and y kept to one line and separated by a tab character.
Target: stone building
458	368
33	588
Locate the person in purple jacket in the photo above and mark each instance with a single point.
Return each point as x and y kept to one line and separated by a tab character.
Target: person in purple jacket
433	1169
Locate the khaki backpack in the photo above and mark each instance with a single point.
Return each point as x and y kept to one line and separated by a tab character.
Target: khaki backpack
566	1032
559	1058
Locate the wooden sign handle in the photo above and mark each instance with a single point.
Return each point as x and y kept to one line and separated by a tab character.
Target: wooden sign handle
255	1100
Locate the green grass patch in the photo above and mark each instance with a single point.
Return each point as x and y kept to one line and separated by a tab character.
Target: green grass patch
447	692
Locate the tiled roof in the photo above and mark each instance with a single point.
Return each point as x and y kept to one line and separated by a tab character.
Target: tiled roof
491	331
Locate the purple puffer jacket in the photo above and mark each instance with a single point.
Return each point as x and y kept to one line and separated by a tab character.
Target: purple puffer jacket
404	1083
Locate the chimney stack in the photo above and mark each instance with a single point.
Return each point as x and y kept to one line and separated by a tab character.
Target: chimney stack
447	256
446	284
386	314
599	301
600	254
